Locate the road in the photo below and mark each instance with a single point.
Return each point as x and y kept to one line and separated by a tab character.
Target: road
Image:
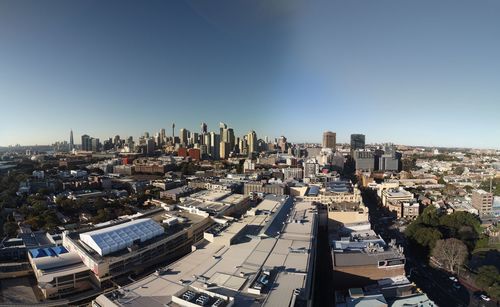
434	282
323	284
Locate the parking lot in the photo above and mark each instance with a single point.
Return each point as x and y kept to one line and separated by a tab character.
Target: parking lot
17	291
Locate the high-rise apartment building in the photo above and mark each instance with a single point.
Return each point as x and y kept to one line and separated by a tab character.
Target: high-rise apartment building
357	142
483	202
329	140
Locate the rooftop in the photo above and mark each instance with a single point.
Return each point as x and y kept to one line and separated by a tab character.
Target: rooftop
483	192
210	195
345	206
110	239
398	193
244	270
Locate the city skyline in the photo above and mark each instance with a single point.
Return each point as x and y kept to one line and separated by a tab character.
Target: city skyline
341	139
279	68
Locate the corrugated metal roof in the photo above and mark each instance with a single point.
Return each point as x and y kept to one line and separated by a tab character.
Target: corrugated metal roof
111	239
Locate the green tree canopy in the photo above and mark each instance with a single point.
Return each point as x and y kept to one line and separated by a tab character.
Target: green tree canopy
487	276
10	229
457	220
429	217
427	237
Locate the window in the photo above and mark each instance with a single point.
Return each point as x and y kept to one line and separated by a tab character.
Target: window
61	279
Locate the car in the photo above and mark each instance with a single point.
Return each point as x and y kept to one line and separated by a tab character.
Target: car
484	297
453	278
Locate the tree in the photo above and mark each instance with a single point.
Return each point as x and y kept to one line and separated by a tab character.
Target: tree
452	253
409	164
485	185
482	242
427	237
461	225
50	220
487	276
459	170
10	229
459	219
430	216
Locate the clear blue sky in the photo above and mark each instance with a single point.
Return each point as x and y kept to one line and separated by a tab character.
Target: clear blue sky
410	72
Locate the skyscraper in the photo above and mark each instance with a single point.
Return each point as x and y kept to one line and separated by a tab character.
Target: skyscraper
86	143
252	141
203	128
357	141
215	145
71	142
116	140
243	145
207	141
163	136
184	134
329	140
150	146
282	143
130	143
230	138
95	144
222	127
224	150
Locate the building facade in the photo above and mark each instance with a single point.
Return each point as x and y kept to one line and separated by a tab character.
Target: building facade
483	202
357	141
329	140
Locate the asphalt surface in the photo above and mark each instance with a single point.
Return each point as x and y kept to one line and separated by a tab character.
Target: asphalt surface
435	283
323	283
